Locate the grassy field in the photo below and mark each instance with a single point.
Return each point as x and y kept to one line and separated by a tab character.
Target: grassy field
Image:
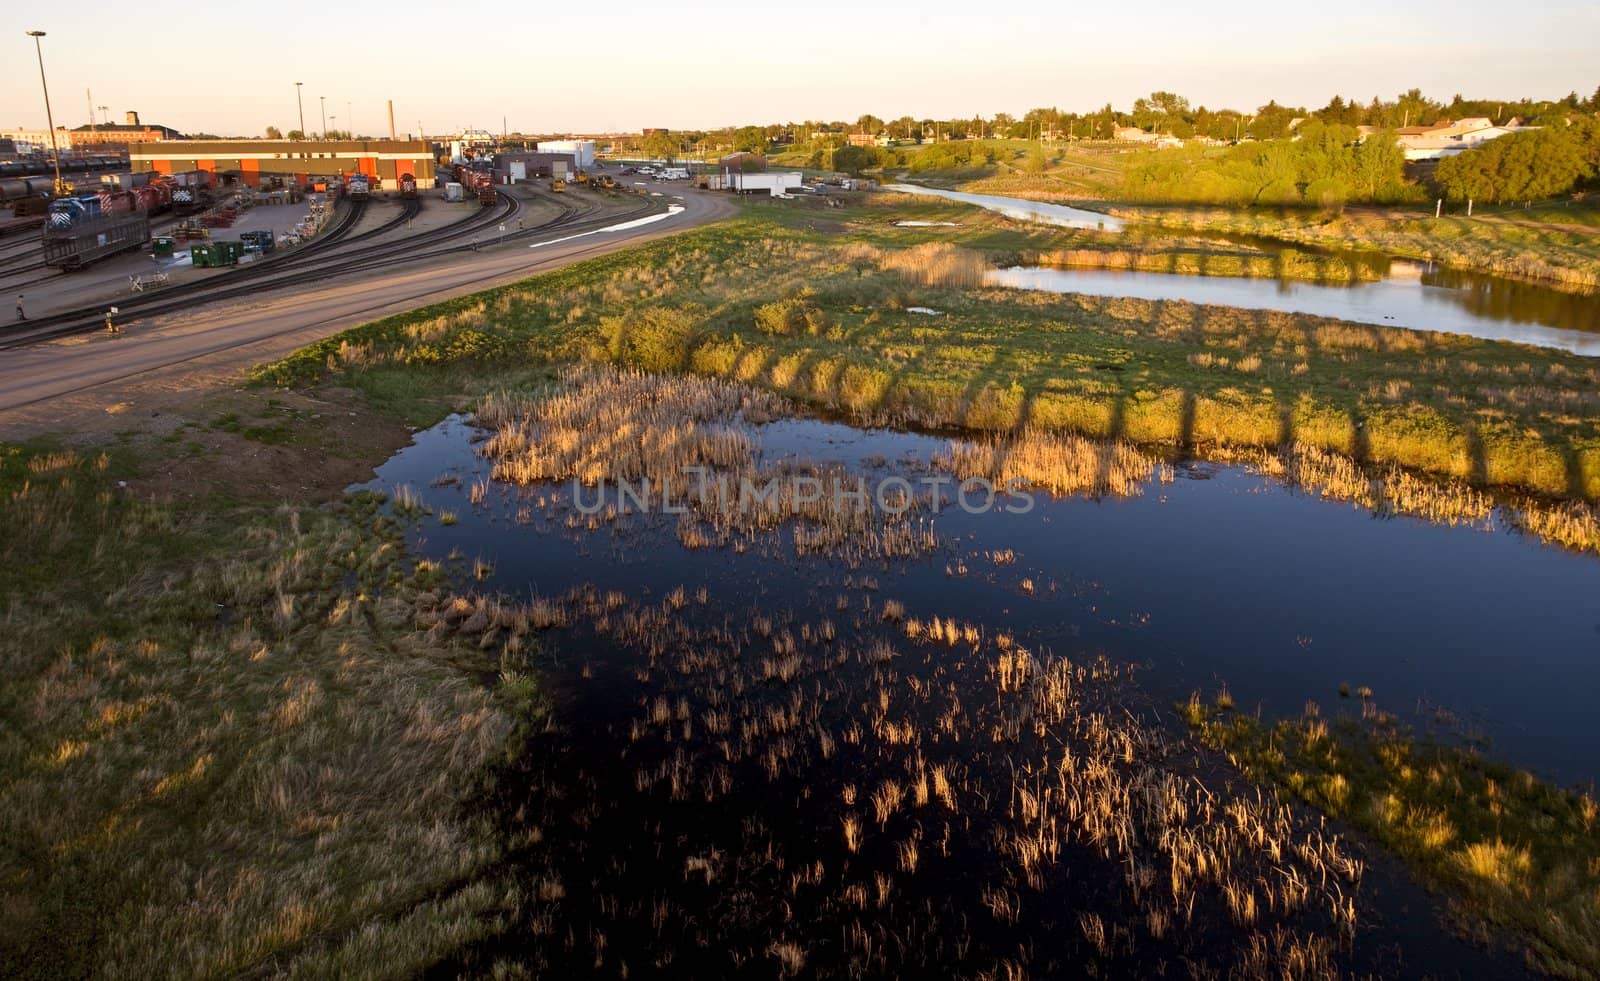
227	748
816	305
1509	849
1558	244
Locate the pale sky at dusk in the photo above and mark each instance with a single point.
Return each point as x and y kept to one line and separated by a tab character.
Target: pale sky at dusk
230	67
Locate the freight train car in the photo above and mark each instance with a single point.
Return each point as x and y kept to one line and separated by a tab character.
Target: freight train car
84	239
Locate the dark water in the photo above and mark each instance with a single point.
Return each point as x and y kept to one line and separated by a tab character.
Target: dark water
1219	576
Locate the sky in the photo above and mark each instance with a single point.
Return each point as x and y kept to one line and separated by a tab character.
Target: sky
597	67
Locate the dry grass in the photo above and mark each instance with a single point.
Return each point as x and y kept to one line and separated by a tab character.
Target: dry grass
187	794
660	442
937	264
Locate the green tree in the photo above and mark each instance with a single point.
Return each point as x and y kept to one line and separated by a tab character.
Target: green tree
1519	167
273	133
660	146
751	139
854	159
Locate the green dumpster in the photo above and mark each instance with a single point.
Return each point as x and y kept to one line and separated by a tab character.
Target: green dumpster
161	246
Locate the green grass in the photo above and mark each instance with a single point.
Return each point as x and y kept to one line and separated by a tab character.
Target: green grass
1157	373
225	746
1509	848
1558	244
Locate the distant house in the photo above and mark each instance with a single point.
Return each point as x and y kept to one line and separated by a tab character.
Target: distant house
1446	138
871	139
1133	134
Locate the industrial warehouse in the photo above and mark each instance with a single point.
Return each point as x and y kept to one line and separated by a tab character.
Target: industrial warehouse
383	162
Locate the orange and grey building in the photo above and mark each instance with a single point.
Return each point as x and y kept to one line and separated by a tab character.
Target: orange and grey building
383	161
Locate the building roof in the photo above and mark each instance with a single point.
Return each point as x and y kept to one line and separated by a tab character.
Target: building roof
167	132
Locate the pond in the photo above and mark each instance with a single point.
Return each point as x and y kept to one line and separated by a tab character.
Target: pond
1039	211
1411	297
1204	574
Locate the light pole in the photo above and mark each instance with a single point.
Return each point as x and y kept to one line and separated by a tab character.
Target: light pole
349	123
55	152
324	100
302	107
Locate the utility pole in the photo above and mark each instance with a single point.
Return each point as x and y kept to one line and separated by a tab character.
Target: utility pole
349	119
55	151
299	104
90	94
324	100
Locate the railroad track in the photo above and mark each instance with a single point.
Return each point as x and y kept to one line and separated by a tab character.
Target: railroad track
290	269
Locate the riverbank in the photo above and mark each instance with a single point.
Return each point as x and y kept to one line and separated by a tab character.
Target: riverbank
816	309
1555	244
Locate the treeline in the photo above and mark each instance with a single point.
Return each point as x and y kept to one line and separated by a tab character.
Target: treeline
1326	166
1160	112
1543	163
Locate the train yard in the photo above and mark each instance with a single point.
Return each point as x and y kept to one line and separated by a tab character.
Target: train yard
362	235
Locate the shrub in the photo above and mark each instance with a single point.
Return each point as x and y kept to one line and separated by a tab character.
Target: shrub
652	338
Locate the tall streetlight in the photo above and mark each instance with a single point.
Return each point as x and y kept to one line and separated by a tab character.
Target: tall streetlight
302	107
55	152
324	100
349	120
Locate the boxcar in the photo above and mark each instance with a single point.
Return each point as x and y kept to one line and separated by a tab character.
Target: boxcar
76	245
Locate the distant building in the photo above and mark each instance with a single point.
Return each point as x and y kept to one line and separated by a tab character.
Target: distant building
121	134
742	162
1133	134
383	161
38	140
518	166
582	150
1446	139
871	139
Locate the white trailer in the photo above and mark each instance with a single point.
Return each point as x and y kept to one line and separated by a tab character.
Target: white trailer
454	192
776	183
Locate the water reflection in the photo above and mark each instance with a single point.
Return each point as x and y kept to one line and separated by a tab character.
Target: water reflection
1422	301
1223	573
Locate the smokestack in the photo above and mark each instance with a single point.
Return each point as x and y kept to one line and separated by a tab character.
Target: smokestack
391	119
133	118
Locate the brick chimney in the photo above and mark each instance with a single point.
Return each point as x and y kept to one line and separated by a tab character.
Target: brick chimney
133	118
